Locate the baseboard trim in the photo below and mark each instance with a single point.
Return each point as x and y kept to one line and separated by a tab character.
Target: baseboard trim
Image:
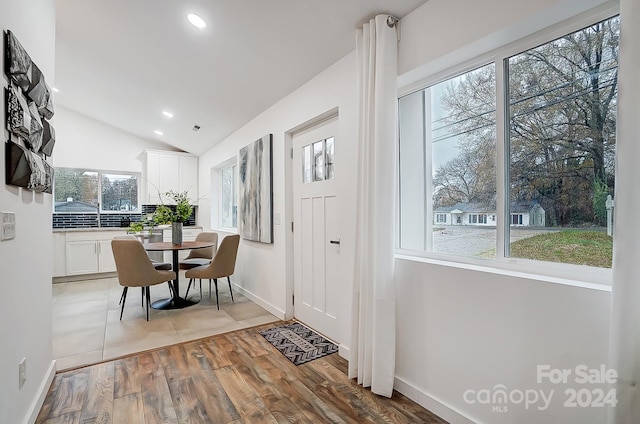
424	399
261	302
343	351
37	403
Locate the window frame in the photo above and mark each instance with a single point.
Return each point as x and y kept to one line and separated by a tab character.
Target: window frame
581	275
100	173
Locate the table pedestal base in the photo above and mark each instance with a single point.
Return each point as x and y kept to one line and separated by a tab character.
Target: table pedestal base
173	303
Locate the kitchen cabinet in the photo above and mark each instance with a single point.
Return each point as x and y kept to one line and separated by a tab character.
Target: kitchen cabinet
90	252
167	171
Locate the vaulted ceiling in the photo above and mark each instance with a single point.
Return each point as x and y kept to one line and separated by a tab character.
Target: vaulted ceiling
124	62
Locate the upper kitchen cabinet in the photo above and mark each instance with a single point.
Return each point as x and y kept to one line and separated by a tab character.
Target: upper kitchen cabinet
167	171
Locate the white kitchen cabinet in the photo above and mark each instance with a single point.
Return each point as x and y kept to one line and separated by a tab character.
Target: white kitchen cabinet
82	257
167	171
90	252
106	261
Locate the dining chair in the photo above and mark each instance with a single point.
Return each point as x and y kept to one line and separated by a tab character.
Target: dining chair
198	257
165	266
135	269
222	265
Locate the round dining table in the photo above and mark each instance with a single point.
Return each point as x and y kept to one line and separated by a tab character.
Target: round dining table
175	301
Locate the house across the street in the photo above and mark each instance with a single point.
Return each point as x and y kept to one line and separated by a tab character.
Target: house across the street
525	214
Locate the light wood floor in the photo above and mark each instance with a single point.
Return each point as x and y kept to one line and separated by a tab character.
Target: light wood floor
236	377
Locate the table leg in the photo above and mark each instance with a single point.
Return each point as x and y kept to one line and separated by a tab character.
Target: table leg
176	302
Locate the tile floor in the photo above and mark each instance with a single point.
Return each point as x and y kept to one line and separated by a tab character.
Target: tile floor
87	327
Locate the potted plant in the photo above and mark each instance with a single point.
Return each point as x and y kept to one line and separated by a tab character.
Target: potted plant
175	216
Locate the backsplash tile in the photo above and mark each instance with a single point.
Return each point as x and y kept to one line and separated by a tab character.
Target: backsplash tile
90	220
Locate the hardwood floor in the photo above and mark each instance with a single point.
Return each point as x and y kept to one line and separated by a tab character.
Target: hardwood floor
234	378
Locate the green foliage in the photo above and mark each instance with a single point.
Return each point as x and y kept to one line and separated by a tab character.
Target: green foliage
136	226
183	209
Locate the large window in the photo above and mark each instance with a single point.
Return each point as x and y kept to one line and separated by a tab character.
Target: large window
447	164
84	191
559	106
228	197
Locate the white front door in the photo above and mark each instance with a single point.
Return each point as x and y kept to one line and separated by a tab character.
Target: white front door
318	286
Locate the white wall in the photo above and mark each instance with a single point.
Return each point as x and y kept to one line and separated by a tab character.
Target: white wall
458	328
84	142
264	270
25	304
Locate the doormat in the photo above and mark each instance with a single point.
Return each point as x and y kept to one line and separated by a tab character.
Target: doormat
298	343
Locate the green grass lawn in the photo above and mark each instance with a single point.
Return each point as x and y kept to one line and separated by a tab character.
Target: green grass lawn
593	248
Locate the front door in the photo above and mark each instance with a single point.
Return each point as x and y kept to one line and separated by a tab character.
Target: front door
318	285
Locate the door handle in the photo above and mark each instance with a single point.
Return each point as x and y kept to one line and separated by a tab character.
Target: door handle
335	241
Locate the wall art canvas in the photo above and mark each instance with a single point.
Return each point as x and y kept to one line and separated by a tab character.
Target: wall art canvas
48	138
29	105
18	171
18	114
35	134
256	191
18	63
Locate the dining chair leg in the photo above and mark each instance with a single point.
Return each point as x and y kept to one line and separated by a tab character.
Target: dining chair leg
230	291
209	288
148	293
122	296
215	283
191	280
124	299
200	289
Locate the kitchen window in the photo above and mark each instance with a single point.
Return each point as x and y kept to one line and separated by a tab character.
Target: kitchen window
92	191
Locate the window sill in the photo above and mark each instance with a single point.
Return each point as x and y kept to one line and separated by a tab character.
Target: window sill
588	277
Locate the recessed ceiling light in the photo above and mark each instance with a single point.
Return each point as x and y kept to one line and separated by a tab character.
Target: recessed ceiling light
158	132
55	90
196	21
167	114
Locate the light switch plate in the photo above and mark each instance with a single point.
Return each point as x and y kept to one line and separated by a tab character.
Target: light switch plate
7	225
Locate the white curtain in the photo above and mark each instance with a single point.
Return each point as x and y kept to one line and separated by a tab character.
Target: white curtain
373	334
625	307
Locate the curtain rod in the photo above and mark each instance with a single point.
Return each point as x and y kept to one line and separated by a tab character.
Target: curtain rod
392	21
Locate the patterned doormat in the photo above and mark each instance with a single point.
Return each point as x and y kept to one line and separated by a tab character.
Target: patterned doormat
298	343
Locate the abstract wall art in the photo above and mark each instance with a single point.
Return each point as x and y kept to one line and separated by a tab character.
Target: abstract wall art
18	65
27	169
29	105
18	114
256	191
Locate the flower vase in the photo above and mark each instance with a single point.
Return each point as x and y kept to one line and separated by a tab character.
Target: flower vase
176	233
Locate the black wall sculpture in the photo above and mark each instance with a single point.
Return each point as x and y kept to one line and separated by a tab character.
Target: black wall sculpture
29	107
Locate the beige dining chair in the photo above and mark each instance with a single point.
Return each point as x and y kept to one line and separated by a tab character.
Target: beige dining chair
198	257
160	266
135	269
165	266
222	265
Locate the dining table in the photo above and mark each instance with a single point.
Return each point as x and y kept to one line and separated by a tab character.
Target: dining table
175	301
